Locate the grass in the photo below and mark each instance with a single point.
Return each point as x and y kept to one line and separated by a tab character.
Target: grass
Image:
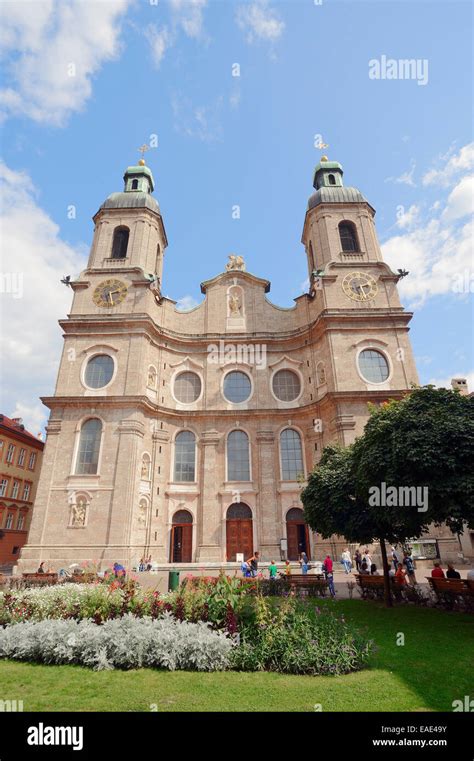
433	668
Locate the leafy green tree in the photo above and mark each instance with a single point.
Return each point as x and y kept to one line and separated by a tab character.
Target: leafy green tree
423	445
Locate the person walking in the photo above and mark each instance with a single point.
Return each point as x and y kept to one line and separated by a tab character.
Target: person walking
395	558
367	558
328	573
409	564
347	560
304	563
358	560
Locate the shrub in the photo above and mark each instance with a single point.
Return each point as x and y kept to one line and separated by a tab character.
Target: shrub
289	640
125	643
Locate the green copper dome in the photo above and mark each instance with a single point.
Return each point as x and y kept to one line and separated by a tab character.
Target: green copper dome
136	194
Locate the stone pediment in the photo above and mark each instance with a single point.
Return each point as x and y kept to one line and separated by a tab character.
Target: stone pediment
187	363
236	277
285	361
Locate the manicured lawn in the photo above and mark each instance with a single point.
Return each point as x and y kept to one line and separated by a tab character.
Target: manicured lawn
433	668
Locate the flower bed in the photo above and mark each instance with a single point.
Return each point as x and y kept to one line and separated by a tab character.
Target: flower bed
271	634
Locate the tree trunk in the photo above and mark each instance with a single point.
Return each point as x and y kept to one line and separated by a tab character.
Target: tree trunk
386	577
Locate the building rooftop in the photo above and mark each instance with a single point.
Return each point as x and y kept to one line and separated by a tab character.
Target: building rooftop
131	200
14	426
336	194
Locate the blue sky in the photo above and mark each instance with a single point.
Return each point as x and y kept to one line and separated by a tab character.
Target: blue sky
165	69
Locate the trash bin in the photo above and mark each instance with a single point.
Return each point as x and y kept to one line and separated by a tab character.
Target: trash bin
173	581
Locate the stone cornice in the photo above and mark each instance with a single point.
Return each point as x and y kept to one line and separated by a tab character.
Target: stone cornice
145	405
142	324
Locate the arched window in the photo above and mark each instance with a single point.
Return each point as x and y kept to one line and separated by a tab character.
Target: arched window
87	459
238	462
181	517
348	236
185	456
291	455
134	184
120	242
331	179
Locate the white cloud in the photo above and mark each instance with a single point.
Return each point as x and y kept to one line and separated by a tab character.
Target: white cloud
62	46
160	41
187	302
33	416
197	121
406	178
460	201
460	162
189	15
259	21
438	251
408	218
34	256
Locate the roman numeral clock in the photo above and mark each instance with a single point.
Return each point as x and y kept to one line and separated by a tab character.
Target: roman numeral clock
109	293
359	286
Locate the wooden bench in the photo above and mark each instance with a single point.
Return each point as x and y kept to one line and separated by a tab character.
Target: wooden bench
305	584
371	586
39	579
451	593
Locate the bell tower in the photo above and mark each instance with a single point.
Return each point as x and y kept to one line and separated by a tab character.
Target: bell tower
129	230
339	224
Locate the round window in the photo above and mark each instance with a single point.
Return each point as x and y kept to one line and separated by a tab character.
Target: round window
237	387
286	385
99	371
187	387
373	366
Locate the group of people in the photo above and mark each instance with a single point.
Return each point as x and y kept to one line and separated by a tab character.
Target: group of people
145	564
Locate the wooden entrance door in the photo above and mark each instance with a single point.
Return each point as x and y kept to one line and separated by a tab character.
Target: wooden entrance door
239	531
239	538
297	534
181	545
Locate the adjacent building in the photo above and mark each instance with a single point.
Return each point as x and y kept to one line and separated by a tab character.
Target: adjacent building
20	464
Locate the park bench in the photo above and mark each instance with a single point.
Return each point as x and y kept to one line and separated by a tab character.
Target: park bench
305	584
453	593
371	586
39	579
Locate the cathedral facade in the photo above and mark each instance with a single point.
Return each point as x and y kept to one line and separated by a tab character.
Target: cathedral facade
187	435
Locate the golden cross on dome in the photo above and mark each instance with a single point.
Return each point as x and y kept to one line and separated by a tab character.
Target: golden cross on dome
143	148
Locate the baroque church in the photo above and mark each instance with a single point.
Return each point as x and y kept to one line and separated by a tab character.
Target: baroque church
187	435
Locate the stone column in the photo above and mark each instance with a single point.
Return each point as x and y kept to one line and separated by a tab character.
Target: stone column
268	514
209	521
125	494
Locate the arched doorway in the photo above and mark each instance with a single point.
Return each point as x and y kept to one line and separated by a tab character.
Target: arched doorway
297	534
181	549
239	531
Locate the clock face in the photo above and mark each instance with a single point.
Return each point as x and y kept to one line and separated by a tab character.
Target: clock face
109	293
359	286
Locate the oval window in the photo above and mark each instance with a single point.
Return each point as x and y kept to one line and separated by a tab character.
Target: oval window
286	385
373	366
99	371
237	387
187	387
